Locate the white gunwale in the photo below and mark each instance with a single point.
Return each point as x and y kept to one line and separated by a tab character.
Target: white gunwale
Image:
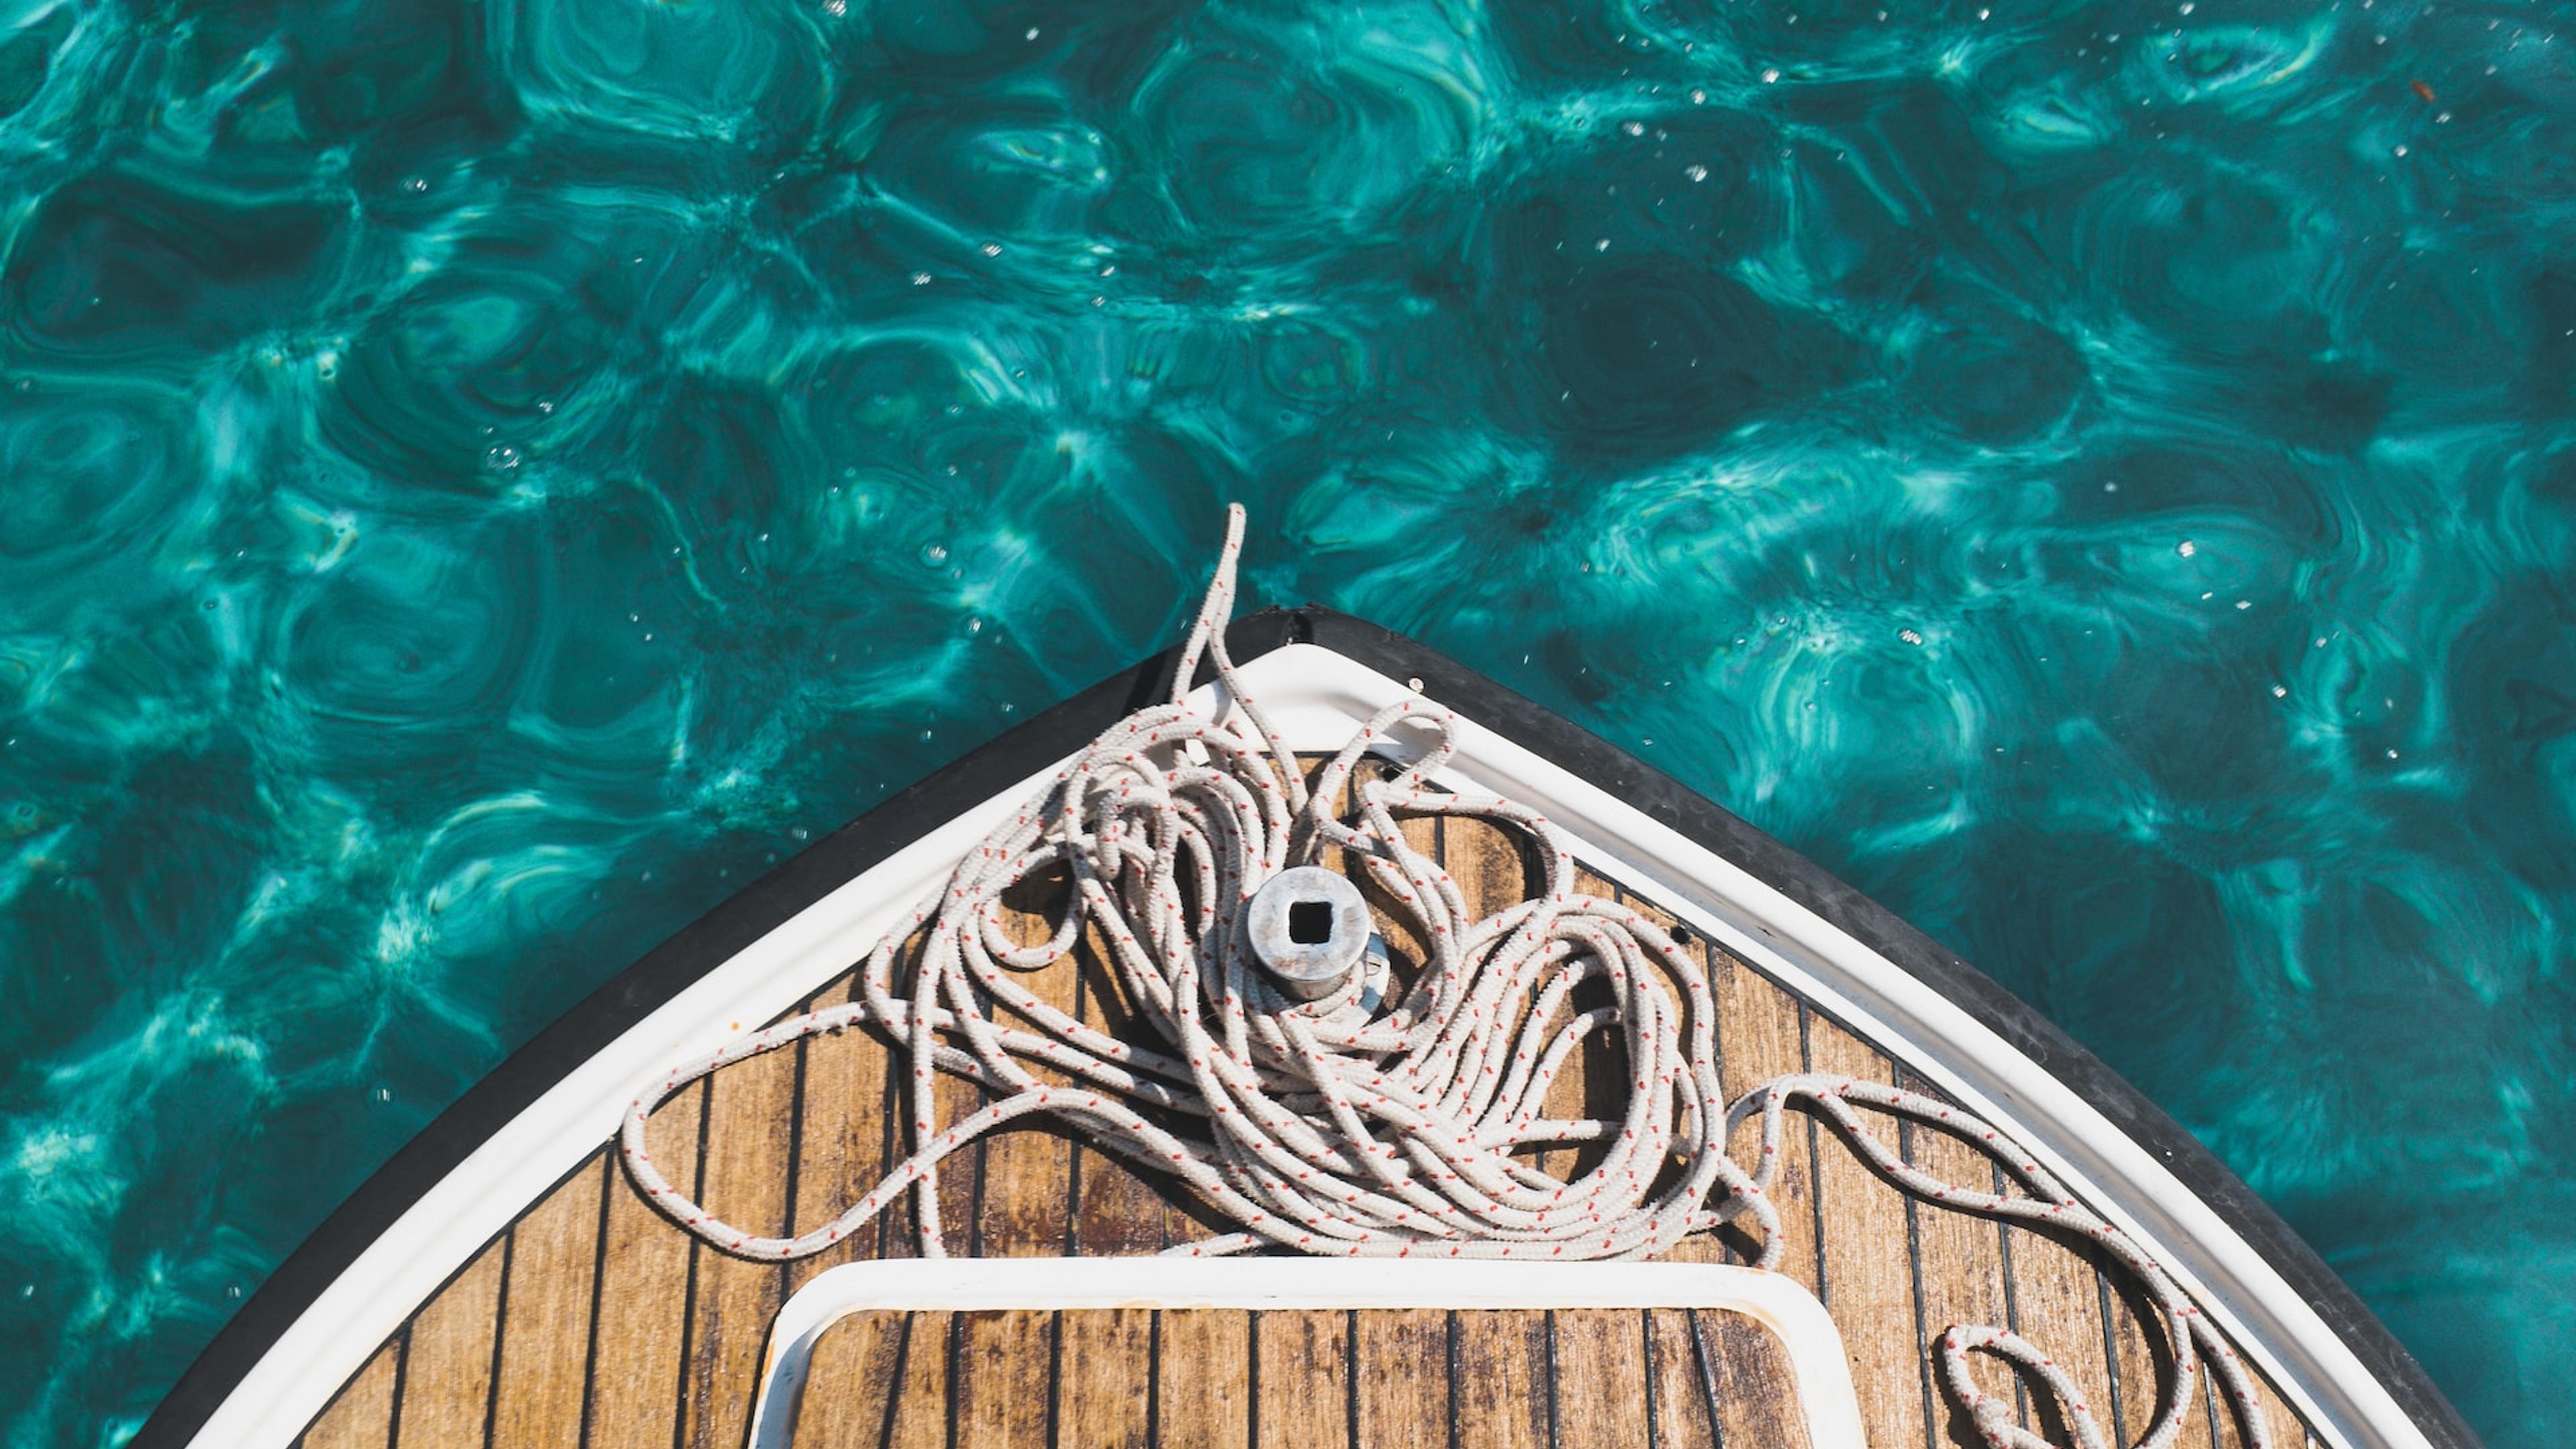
1317	699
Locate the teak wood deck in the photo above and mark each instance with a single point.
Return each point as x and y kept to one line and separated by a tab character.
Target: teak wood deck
592	1321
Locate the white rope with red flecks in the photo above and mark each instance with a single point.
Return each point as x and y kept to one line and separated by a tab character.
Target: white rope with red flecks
1326	1127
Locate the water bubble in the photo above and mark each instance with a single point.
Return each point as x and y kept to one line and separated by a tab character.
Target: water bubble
500	458
934	554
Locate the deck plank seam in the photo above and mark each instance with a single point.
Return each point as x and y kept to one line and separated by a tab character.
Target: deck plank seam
1646	1325
1154	1380
1454	1377
598	1286
2110	1343
402	1375
1055	1381
894	1381
500	1336
1554	1400
1252	1380
1914	1262
795	1151
2012	1294
1815	1152
1707	1378
689	1289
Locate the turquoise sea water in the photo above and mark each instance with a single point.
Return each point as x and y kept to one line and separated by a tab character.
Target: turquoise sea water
478	482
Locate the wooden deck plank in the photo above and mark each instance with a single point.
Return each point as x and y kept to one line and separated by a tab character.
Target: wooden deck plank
2269	1406
1005	1364
751	1106
2057	1304
841	1137
447	1372
643	1308
1502	1380
921	1417
1116	1212
545	1330
1404	1379
1762	1039
1205	1393
1868	1273
1957	1261
1601	1385
1302	1394
362	1415
1028	1168
2145	1368
1105	1388
1685	1388
1757	1388
848	1384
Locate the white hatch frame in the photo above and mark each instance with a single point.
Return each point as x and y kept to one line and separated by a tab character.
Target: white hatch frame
1780	1304
1316	699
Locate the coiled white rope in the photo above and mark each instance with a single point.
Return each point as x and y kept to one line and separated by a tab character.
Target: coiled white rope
1328	1128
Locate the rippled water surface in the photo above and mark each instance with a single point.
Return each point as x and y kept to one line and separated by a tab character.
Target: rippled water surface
480	481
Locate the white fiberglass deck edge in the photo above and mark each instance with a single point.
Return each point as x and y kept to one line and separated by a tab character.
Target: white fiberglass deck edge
970	1285
1316	699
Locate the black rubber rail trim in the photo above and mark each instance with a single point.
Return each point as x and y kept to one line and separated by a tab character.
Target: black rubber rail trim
769	902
